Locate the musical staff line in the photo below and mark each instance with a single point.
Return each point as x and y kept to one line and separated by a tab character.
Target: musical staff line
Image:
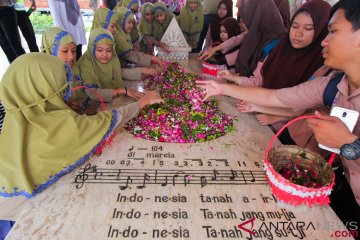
140	178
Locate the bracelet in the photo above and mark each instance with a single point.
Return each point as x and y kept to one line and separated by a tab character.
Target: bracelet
125	91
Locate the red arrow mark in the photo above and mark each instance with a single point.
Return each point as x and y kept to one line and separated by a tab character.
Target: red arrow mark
246	222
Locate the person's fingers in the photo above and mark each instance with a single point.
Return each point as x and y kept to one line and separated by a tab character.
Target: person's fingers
323	116
206	97
159	100
203	82
260	119
202	56
313	123
139	94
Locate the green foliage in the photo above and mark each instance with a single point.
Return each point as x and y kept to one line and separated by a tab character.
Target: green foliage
40	21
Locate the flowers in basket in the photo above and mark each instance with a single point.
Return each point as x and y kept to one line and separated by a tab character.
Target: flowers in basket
298	176
183	117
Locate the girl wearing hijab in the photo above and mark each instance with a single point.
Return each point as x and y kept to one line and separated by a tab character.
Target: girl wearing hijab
224	11
191	21
162	20
42	138
100	68
108	19
66	14
133	6
293	61
146	30
229	28
124	49
298	54
61	44
105	18
265	26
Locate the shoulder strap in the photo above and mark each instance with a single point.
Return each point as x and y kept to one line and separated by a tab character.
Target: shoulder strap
331	90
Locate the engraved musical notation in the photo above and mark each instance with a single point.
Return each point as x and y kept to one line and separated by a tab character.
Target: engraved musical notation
140	178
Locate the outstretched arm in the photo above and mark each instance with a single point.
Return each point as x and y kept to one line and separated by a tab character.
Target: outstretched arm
256	95
282	112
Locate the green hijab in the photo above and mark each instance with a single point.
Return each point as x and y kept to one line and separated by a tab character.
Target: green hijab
145	27
191	22
96	74
134	34
159	29
103	17
123	39
51	40
42	138
129	4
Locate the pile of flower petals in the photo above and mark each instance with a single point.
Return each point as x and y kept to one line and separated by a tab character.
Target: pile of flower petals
182	118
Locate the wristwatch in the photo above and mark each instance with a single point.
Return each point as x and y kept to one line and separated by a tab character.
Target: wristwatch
351	151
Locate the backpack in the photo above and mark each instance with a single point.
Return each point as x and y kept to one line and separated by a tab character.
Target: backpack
331	90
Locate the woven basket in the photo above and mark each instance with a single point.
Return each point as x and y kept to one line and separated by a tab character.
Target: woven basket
284	190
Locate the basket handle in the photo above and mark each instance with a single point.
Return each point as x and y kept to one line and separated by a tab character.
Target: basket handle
273	139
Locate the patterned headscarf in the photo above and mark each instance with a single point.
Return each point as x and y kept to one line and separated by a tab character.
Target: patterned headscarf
191	22
103	17
96	74
159	29
122	38
51	40
145	27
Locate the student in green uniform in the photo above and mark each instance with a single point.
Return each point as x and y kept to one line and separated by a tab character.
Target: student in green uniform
191	22
42	138
100	69
108	19
124	48
133	6
62	45
162	20
147	41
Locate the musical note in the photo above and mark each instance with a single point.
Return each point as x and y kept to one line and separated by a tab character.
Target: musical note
187	179
146	178
234	175
215	175
143	177
243	176
174	179
253	179
127	183
165	183
203	181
